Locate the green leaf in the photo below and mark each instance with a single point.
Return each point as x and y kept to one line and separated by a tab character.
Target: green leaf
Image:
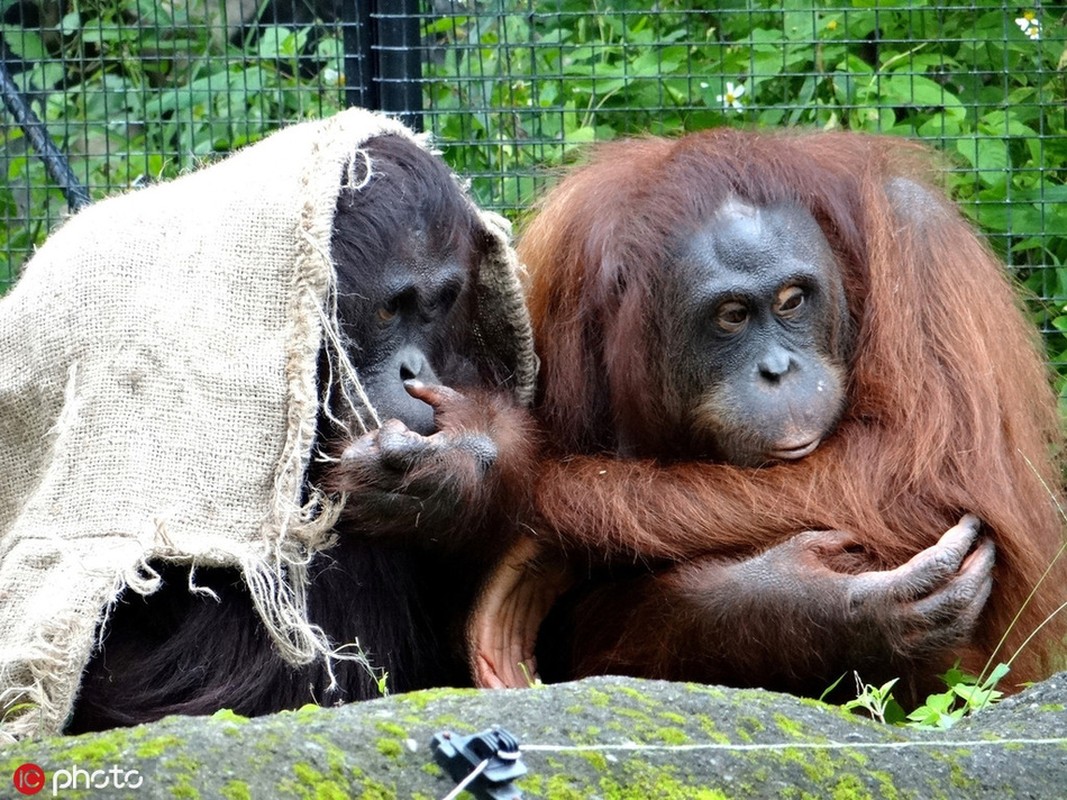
916	90
799	21
580	135
24	43
70	23
989	157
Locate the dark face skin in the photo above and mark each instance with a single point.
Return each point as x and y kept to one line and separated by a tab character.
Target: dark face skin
407	315
754	308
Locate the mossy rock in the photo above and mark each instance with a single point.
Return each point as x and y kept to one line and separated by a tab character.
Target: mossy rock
610	738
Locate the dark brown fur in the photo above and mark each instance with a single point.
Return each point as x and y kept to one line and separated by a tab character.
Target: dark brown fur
400	585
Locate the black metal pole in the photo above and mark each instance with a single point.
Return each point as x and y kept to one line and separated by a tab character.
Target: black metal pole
361	89
398	43
55	163
383	57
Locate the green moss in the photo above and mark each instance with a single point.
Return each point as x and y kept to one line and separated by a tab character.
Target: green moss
705	689
441	722
308	711
634	714
818	765
236	790
372	790
850	787
1052	707
670	736
336	757
418	701
636	694
598	761
154	748
562	787
270	742
306	773
97	750
886	785
555	765
531	784
335	783
860	759
675	717
792	728
751	724
226	715
598	697
390	748
392	728
642	780
313	784
639	781
957	776
709	729
184	773
433	769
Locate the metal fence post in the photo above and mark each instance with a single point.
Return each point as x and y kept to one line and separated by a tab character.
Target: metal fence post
383	57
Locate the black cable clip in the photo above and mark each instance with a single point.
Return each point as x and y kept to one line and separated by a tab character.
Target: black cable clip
484	764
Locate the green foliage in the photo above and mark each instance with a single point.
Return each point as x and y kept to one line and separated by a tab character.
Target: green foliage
381	682
966	694
876	701
532	681
134	91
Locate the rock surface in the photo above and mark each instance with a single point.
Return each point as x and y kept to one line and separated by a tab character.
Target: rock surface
610	738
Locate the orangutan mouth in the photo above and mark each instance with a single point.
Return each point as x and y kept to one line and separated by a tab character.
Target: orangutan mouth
793	453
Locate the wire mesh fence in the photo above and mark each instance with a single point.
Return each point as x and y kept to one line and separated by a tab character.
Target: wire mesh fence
131	91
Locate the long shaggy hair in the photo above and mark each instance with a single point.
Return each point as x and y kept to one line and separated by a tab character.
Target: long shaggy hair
949	402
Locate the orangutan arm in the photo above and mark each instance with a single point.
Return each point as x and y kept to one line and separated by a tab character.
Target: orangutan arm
627	509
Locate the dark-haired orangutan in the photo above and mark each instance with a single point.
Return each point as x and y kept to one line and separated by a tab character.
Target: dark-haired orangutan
776	369
408	246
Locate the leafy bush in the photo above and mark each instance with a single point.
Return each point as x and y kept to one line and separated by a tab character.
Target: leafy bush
965	694
136	91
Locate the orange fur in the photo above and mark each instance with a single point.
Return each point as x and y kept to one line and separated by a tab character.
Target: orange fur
950	408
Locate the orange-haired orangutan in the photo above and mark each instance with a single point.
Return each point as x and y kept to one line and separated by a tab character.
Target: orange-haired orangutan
776	369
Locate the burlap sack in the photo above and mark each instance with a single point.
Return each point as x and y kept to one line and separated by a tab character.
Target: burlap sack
158	400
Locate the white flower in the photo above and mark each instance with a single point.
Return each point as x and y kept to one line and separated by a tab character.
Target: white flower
731	99
1029	24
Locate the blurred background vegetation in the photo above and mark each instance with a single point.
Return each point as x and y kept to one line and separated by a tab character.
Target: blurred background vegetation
132	91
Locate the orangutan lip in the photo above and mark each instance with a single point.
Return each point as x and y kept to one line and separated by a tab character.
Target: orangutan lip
793	453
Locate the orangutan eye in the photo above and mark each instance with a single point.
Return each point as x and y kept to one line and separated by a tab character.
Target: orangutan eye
388	312
732	316
789	300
